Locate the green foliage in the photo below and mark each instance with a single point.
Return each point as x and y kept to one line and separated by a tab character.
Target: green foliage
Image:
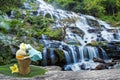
4	24
38	25
66	4
118	3
38	21
8	5
17	13
35	71
94	7
4	27
5	54
113	20
10	26
54	34
41	25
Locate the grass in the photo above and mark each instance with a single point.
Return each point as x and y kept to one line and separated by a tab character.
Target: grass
113	20
35	71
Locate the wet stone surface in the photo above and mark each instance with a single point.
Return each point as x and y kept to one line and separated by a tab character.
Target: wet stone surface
52	74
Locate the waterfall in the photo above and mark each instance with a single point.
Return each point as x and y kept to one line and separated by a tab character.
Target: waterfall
80	29
71	19
44	56
52	56
83	58
81	53
103	53
67	57
73	52
117	35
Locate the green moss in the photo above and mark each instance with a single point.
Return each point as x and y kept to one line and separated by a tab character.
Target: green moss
54	34
59	54
35	71
40	47
74	42
95	43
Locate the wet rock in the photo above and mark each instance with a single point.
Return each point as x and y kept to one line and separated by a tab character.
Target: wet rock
76	30
100	66
110	63
113	49
93	23
98	60
93	30
103	64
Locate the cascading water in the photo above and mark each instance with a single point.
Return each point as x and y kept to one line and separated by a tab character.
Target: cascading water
83	56
72	19
44	56
77	57
104	55
52	56
67	56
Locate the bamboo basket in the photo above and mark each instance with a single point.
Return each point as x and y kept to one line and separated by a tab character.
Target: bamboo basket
24	67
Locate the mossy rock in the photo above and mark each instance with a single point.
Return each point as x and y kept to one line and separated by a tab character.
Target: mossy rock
40	47
60	55
95	43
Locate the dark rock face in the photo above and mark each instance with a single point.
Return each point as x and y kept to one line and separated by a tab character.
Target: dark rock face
103	64
76	30
98	60
100	67
113	49
93	23
93	30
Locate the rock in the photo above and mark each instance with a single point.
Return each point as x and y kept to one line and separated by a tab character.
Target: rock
52	68
110	63
113	49
103	64
78	31
93	23
93	30
98	60
100	66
